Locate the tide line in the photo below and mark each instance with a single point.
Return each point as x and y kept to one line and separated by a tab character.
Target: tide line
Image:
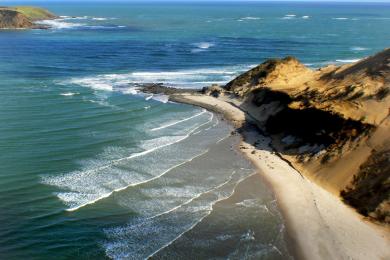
200	220
195	197
177	122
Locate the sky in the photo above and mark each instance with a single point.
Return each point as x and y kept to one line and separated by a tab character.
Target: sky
357	1
184	1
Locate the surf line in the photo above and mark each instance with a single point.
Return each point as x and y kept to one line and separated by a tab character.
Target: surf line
201	219
147	151
177	122
148	180
195	197
190	200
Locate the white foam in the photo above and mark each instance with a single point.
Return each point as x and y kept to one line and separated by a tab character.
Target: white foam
99	19
195	78
340	18
202	46
178	122
59	24
348	60
164	229
85	17
151	144
65	17
66	94
128	186
289	16
63	23
305	17
250	235
359	48
207	208
88	186
94	83
197	195
250	18
161	98
251	203
277	250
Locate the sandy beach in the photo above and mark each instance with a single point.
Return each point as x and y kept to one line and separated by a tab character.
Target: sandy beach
319	225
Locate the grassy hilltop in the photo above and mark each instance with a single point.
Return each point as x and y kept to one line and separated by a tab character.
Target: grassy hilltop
22	17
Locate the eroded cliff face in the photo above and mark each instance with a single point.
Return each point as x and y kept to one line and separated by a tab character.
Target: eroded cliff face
23	17
14	20
331	123
357	91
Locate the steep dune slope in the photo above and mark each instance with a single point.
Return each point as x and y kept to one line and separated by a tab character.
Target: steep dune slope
332	124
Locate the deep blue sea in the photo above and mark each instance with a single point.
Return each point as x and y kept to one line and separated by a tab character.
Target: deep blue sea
92	169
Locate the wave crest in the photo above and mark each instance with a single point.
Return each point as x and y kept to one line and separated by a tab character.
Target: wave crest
59	24
127	83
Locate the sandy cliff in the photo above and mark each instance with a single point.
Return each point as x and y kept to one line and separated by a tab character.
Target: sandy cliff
315	135
332	124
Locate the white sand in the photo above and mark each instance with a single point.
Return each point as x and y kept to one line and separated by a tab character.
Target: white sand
319	225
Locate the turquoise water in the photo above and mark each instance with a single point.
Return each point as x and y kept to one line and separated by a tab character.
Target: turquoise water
91	169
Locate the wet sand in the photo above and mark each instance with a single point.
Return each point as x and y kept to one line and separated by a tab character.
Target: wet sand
319	225
243	220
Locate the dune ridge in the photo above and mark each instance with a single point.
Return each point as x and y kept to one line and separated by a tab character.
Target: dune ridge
319	137
328	123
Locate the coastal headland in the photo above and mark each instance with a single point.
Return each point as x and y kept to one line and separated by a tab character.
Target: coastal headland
23	17
320	138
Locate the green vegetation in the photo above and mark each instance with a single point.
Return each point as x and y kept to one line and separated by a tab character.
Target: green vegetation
32	13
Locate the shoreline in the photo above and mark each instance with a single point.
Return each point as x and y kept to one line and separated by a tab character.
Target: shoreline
319	225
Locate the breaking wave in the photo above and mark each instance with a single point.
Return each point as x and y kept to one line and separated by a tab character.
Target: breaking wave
347	60
127	83
66	94
100	178
59	24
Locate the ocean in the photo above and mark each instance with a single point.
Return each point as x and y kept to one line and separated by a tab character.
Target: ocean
92	169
